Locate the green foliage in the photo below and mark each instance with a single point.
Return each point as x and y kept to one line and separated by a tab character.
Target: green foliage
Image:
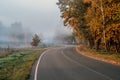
17	66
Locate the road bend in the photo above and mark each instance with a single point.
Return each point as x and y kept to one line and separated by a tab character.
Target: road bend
66	64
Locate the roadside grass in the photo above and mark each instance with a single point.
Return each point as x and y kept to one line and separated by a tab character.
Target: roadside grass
4	53
110	57
17	66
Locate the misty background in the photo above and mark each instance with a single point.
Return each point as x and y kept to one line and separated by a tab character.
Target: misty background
21	19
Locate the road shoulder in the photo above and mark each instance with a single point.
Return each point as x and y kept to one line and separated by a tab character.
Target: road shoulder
34	66
100	57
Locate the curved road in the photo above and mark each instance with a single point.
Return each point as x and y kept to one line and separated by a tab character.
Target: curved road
67	64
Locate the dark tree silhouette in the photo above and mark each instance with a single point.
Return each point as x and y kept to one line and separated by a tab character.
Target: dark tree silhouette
35	40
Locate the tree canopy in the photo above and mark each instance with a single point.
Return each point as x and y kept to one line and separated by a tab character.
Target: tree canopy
36	40
96	22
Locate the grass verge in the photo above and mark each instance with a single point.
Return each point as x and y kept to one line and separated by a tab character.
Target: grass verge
113	58
17	66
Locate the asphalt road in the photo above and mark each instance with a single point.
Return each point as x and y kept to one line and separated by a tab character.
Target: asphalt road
67	64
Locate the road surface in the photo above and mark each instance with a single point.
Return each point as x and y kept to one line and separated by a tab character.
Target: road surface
67	64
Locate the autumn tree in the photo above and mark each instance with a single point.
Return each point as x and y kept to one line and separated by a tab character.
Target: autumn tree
97	22
73	14
103	20
93	17
35	40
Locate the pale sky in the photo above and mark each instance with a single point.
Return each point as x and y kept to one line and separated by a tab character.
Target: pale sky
41	16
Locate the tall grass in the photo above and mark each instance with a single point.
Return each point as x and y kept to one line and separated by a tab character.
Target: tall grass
6	51
17	66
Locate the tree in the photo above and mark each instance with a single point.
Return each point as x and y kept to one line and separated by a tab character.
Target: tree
36	40
73	12
97	22
103	20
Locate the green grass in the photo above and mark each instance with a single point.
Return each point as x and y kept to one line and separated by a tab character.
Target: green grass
102	52
17	66
111	57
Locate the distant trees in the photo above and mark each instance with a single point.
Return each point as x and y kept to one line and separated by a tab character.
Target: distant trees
19	35
96	22
64	39
35	40
15	36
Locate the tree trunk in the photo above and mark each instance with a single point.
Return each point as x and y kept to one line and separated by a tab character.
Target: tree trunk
98	44
108	44
91	43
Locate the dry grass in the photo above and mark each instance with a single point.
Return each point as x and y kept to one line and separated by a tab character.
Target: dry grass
113	58
3	53
6	52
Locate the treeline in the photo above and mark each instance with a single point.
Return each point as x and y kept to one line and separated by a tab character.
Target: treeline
15	36
96	22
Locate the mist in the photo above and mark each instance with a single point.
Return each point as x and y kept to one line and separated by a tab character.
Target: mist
21	19
15	35
18	36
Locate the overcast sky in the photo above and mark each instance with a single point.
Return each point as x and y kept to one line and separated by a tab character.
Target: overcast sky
41	16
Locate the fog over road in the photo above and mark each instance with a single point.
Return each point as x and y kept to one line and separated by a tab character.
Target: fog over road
66	64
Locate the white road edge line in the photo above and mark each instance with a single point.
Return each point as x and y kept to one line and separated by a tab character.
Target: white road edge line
85	66
36	69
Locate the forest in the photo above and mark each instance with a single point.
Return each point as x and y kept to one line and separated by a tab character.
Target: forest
95	23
